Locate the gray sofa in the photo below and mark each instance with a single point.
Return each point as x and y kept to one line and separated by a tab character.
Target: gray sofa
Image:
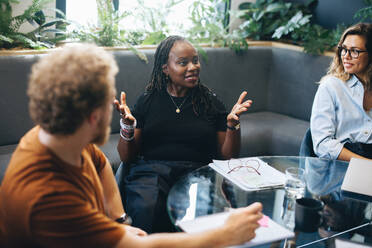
280	81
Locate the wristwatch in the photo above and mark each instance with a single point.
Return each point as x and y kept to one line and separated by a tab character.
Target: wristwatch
236	127
124	219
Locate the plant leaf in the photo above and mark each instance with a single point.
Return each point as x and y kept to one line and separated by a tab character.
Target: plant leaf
6	39
140	54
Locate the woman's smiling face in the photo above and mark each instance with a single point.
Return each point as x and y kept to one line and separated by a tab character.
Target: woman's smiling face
183	65
358	65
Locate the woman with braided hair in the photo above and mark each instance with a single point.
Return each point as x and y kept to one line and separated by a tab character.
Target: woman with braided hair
177	125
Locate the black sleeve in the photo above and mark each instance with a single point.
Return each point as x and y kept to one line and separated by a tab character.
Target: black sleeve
140	108
221	114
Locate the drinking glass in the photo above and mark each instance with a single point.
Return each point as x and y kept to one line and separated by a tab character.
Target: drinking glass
295	182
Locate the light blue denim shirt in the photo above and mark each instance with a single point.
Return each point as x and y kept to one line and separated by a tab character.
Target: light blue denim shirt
338	116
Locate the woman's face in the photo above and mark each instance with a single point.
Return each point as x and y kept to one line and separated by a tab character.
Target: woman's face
183	65
358	65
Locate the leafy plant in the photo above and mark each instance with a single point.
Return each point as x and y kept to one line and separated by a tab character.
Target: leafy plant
364	13
108	31
155	27
296	22
43	34
278	20
208	18
265	18
316	39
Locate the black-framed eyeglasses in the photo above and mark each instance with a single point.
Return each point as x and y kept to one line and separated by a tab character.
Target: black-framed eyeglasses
354	53
250	165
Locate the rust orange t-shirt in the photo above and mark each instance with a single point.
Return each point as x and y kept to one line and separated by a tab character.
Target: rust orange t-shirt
45	202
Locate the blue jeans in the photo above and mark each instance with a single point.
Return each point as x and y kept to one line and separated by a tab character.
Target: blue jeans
144	186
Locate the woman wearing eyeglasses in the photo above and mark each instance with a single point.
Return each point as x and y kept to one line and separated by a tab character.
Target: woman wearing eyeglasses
341	119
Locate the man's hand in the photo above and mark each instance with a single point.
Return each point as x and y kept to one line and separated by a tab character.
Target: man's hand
134	230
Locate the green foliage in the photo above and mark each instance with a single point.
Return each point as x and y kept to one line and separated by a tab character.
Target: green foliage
265	18
208	18
108	32
364	13
278	20
316	39
43	34
296	22
156	26
154	38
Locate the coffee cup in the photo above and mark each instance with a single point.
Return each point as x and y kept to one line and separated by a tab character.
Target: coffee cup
308	214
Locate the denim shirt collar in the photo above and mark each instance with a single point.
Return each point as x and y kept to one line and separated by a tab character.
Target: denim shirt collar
356	89
353	81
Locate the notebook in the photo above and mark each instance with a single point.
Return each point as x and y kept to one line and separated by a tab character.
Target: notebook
249	174
357	182
342	243
269	231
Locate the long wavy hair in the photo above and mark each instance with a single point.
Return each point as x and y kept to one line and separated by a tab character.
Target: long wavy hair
201	94
337	69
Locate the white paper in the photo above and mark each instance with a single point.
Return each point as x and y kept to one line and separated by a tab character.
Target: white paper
248	179
339	243
274	232
358	177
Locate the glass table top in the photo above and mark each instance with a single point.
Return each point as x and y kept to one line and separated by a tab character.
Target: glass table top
204	191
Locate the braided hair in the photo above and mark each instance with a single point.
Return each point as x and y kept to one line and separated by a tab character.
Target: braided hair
201	94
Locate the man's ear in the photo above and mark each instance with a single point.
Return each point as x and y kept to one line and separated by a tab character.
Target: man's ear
165	69
94	117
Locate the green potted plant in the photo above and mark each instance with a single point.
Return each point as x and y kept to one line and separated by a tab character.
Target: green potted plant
276	20
108	32
210	26
155	27
43	35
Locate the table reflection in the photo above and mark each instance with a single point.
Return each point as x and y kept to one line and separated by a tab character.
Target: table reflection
340	213
204	192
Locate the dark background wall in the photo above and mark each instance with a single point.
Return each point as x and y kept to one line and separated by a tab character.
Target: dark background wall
329	13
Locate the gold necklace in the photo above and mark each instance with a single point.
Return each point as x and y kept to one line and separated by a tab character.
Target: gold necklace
178	108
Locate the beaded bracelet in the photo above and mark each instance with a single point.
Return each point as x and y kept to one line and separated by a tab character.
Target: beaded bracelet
125	138
127	130
126	126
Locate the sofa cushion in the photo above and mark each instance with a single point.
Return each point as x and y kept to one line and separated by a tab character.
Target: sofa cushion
269	133
292	83
5	155
15	118
109	149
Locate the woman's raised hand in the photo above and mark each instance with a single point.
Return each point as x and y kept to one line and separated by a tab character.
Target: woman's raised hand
124	110
239	107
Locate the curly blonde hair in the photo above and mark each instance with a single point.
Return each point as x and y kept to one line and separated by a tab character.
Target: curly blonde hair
68	84
337	69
